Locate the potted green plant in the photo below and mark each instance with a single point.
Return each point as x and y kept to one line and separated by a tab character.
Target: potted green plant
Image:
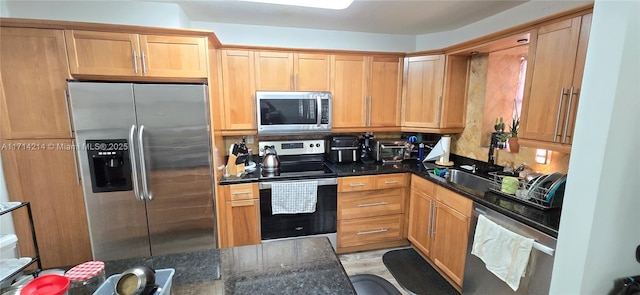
514	146
500	136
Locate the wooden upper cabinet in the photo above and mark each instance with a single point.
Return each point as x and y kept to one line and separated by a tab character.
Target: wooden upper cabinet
103	53
288	71
554	77
238	90
172	56
385	91
454	102
33	70
422	101
312	72
274	70
123	54
348	85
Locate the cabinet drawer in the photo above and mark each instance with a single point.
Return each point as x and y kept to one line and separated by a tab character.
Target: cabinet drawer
356	183
244	191
391	181
422	185
460	203
364	231
370	203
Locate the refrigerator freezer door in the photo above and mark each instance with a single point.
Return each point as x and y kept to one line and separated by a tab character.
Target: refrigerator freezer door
117	221
173	120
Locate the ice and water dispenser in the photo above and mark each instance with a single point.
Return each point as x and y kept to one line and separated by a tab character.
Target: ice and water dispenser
109	165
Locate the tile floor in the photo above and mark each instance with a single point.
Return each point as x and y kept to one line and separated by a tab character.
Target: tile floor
370	262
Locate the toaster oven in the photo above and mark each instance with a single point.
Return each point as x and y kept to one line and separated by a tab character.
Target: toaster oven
390	151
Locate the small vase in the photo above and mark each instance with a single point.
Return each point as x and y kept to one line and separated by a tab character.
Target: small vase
514	146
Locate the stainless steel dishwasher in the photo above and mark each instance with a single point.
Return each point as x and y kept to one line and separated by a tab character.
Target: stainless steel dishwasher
537	278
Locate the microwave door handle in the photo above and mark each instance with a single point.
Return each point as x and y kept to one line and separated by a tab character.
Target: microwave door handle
319	110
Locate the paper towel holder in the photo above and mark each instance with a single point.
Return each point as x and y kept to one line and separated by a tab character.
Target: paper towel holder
441	152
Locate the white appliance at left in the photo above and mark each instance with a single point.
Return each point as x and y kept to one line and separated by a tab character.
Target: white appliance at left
145	159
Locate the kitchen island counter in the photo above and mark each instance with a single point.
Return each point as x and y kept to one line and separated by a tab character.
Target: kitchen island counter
297	266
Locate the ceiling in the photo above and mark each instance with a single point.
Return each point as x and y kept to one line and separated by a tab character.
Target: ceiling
374	16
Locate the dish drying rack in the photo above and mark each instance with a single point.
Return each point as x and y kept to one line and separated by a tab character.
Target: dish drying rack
535	197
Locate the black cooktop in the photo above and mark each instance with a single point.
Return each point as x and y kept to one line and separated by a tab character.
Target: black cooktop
299	170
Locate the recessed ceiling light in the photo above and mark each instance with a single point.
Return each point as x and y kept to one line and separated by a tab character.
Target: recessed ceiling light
326	4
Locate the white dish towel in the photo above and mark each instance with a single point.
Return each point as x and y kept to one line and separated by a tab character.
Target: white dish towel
294	197
505	253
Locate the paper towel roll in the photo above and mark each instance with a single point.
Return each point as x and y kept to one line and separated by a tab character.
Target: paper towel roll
446	146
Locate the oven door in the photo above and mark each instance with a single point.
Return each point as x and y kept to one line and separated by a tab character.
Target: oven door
293	112
322	221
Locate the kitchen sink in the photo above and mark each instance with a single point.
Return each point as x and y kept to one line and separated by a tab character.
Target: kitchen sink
466	179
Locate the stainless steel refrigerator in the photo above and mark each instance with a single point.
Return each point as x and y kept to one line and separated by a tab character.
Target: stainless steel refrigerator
145	157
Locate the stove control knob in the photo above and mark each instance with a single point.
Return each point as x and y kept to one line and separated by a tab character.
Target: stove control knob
311	145
317	145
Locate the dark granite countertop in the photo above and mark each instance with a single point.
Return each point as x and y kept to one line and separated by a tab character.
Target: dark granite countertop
297	266
547	221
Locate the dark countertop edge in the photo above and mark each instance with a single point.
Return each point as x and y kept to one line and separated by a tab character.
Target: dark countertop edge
418	170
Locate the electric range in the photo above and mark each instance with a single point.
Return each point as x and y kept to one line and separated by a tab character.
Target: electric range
301	159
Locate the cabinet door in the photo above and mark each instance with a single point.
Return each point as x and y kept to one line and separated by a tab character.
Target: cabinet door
454	103
243	219
420	210
170	56
423	91
102	53
33	87
450	241
581	56
552	69
46	175
274	70
385	92
311	72
238	91
349	90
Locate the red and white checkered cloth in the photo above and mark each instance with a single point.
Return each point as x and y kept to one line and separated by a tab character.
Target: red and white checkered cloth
85	271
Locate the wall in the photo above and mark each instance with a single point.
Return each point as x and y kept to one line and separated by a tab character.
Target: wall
602	201
307	38
470	143
4	9
113	12
502	86
527	12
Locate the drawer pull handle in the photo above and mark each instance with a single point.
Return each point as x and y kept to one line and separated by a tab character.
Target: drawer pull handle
356	184
372	231
240	193
391	182
373	204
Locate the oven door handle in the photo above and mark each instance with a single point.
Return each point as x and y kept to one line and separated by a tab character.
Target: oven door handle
321	182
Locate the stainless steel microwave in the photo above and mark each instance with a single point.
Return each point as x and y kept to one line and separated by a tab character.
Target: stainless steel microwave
290	112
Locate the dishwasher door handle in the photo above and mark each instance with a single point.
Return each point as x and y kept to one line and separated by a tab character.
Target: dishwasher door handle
544	249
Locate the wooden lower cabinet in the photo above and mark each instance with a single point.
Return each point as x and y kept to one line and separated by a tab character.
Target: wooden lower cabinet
44	173
371	212
420	211
439	226
243	222
363	231
238	214
451	231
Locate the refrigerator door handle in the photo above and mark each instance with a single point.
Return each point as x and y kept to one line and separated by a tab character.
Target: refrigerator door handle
143	167
134	165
